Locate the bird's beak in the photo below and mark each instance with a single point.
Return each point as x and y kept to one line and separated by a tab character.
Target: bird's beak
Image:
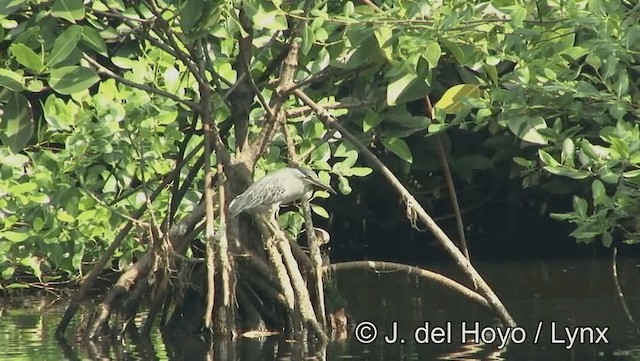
322	185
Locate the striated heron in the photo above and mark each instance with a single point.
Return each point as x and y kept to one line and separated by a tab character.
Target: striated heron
282	186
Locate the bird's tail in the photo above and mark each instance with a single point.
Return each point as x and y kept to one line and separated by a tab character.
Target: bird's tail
234	207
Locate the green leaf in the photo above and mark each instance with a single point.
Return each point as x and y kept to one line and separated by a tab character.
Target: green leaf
321	194
406	88
451	99
91	37
22	188
34	263
15	237
608	176
523	162
518	14
124	63
190	13
40	198
370	121
324	176
619	148
70	10
343	185
273	20
57	114
11	80
17	285
611	66
584	236
631	173
8	272
547	159
308	38
321	154
526	128
621	85
383	36
15	161
16	124
550	74
562	216
26	56
8	7
575	53
348	9
86	215
64	45
398	147
607	239
568	152
313	129
78	254
438	127
343	150
320	211
592	151
35	85
63	216
455	50
72	79
432	52
580	206
618	110
567	172
492	71
598	191
403	119
361	171
351	158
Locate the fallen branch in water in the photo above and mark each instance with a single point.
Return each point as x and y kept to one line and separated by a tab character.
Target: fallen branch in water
382	266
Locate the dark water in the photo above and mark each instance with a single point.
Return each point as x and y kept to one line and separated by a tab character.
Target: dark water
572	306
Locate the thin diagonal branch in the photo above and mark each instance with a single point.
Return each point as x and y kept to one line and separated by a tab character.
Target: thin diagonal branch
104	70
207	124
286	79
413	208
450	185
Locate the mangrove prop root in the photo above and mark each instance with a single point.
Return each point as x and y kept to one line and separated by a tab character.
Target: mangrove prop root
316	258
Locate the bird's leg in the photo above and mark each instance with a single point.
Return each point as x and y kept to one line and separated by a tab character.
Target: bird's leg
273	213
270	224
272	221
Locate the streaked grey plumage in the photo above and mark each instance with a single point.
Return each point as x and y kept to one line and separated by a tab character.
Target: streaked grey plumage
282	186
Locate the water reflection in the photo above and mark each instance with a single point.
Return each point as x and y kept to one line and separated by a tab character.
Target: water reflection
565	304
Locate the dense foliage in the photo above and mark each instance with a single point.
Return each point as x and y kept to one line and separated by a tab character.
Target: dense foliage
95	110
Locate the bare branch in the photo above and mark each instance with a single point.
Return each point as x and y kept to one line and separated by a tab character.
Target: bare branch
296	112
370	4
104	70
286	79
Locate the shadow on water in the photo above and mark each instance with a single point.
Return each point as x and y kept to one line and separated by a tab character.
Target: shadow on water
572	307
